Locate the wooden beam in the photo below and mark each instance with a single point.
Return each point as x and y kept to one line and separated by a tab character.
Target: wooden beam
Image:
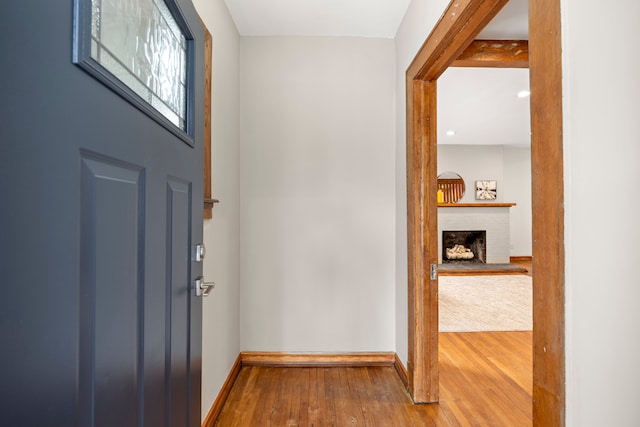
208	60
422	211
495	54
456	29
548	213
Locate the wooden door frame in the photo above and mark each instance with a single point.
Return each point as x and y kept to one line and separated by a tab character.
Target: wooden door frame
456	29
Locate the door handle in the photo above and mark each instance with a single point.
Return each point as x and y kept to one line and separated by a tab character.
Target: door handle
203	288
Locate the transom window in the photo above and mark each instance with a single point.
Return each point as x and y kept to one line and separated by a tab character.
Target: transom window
142	45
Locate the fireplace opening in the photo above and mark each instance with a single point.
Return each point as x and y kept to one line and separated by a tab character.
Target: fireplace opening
464	247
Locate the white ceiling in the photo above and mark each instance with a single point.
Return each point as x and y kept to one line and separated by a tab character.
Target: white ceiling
482	107
479	104
363	18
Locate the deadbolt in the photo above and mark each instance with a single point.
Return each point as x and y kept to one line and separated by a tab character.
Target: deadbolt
200	252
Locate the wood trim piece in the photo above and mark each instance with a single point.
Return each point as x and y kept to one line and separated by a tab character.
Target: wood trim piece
216	408
456	29
476	205
495	54
251	358
422	240
401	370
548	213
520	259
208	65
495	272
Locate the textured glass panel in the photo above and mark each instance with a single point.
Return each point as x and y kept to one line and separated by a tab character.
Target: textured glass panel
95	49
95	19
141	43
122	73
166	111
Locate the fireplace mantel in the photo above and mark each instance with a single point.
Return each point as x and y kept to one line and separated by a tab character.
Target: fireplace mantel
475	205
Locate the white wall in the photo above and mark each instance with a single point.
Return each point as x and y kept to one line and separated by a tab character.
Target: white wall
473	162
221	321
516	187
602	150
420	18
317	194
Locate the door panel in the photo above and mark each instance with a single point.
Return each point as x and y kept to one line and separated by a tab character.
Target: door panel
111	284
178	292
101	207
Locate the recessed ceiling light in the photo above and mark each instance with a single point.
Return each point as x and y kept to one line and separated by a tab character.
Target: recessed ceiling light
451	132
523	94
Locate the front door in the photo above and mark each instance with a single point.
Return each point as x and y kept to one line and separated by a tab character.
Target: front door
100	213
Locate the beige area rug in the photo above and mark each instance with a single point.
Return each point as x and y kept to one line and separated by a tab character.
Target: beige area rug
485	303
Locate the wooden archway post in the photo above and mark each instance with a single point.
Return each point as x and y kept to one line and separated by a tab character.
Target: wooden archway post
456	30
422	367
545	77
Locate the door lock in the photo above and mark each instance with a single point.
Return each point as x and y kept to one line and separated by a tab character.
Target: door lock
200	252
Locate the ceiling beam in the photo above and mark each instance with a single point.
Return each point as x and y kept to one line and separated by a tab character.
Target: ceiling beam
456	29
495	54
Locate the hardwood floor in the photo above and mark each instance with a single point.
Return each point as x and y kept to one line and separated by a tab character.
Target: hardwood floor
485	380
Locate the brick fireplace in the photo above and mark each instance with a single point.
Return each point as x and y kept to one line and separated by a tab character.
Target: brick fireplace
492	218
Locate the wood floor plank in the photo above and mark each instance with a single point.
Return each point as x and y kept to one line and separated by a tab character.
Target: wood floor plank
369	406
316	397
347	411
375	409
266	380
330	396
234	404
248	399
485	380
269	390
304	391
300	388
284	394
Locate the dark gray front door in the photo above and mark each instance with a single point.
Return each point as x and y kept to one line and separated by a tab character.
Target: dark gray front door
100	212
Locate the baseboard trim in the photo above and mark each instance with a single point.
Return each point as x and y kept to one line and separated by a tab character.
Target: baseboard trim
521	259
496	272
214	412
401	370
251	358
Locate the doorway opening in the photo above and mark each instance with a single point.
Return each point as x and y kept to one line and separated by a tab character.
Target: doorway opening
454	32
